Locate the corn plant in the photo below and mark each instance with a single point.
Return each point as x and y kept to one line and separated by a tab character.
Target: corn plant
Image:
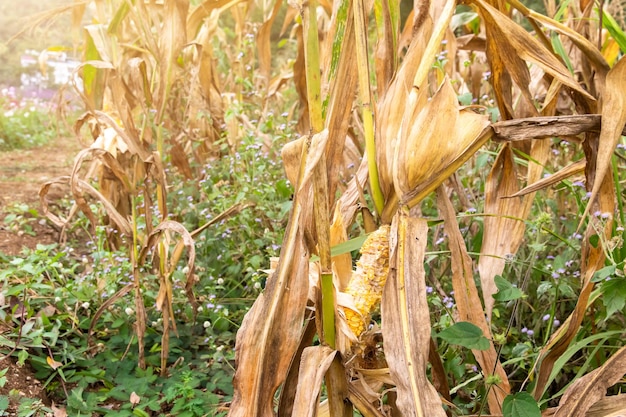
564	79
152	101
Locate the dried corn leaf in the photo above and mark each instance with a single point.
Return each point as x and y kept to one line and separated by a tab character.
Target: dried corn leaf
270	333
263	43
613	121
585	45
172	38
406	319
514	42
504	223
592	259
340	101
577	167
313	366
288	391
468	302
589	389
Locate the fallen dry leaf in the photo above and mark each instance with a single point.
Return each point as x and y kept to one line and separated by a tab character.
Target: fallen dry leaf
59	412
134	398
52	363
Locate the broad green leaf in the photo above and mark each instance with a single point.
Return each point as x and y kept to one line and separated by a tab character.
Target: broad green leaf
614	295
521	404
604	273
506	290
465	334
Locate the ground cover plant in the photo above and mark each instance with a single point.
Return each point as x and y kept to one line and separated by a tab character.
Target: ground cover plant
457	164
25	121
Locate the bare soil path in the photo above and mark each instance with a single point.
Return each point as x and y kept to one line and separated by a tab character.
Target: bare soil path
22	172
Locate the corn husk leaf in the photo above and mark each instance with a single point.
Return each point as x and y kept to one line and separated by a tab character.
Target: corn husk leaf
388	117
342	263
406	319
441	138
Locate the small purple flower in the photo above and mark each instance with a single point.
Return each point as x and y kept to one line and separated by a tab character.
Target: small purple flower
530	333
524	330
546	317
556	323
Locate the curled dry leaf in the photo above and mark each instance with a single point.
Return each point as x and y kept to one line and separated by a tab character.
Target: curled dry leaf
313	366
514	41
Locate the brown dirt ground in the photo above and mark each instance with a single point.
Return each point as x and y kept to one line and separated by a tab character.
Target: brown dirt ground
22	172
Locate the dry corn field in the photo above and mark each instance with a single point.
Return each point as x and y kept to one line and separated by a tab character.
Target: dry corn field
454	244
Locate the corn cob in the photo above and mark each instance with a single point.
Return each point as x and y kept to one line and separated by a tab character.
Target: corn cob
367	282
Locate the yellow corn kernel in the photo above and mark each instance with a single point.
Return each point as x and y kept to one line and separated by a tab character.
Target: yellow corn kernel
367	282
